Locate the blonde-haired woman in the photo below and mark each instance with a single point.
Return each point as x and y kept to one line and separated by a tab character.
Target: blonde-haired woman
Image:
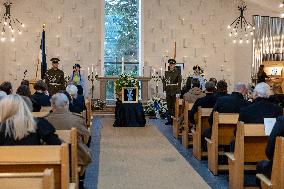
19	127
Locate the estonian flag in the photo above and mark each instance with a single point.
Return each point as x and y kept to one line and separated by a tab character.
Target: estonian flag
43	55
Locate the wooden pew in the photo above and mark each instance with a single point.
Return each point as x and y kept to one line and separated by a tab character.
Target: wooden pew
46	108
40	114
70	137
186	131
37	159
277	176
224	125
202	124
89	112
40	180
250	147
176	119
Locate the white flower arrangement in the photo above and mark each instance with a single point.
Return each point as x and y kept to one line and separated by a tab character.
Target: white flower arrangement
156	107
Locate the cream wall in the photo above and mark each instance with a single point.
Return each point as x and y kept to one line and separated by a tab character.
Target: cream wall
73	32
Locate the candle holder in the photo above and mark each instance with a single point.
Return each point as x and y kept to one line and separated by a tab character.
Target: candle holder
156	77
92	77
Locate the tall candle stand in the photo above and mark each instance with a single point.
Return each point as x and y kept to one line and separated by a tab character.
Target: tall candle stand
91	78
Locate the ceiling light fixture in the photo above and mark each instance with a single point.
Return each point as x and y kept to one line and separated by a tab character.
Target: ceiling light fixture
10	23
241	29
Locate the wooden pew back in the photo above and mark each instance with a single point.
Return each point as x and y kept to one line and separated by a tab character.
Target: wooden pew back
186	130
179	105
249	147
224	125
37	159
70	137
201	125
40	180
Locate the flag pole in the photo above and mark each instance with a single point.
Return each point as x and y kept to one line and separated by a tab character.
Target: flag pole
38	62
175	50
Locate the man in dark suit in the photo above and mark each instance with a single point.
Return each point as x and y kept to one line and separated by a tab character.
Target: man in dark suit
265	167
261	107
229	104
205	102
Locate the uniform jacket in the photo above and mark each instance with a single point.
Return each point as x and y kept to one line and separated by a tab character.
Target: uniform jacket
193	94
229	104
205	102
45	132
55	81
65	120
261	108
174	77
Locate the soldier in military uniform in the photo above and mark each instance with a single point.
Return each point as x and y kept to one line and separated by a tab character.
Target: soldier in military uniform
54	78
172	86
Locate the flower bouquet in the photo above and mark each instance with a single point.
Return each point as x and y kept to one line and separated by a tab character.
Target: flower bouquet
125	80
156	108
98	104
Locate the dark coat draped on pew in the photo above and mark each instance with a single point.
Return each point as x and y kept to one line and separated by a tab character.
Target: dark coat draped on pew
261	108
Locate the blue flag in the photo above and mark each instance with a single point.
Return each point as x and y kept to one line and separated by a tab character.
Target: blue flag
43	58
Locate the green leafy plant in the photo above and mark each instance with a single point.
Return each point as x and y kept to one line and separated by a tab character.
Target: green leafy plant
125	81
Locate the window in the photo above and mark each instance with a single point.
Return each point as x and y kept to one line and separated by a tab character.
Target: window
121	43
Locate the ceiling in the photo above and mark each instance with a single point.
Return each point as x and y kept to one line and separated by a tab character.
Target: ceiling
272	5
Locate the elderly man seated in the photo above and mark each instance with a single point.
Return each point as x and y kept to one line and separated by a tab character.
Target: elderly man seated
62	119
261	107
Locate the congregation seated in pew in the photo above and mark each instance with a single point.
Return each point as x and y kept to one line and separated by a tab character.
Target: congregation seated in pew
62	119
260	108
222	88
229	104
19	127
77	100
194	93
6	86
24	91
207	101
41	96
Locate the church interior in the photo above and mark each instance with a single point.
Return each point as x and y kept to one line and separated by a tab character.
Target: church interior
134	94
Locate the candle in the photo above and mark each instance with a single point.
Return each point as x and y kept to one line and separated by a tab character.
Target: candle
154	72
88	71
122	65
96	71
161	69
92	69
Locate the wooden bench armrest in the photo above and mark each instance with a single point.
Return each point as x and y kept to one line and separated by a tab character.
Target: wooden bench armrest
208	140
230	156
264	180
72	186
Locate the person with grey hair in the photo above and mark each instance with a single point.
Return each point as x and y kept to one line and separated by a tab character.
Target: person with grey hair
207	101
2	95
229	104
62	119
261	107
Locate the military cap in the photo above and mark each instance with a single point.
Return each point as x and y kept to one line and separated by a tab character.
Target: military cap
172	61
55	60
76	66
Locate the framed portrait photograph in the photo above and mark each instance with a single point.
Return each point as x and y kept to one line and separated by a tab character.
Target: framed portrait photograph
130	95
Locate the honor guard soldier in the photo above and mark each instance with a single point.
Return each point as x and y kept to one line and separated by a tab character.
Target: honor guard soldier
172	86
54	78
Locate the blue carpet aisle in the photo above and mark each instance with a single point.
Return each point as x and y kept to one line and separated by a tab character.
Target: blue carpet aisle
91	181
